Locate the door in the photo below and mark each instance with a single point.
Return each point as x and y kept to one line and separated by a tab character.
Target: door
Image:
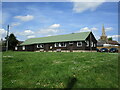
71	47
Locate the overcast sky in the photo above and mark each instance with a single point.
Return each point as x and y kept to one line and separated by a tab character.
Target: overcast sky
39	19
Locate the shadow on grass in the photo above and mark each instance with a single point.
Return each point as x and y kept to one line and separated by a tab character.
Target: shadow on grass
71	83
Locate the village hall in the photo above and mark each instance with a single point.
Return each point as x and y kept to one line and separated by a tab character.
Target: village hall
82	41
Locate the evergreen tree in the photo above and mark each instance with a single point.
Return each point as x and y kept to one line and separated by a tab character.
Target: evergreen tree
12	42
110	39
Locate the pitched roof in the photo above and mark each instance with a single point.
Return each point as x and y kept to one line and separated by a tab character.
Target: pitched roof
113	42
58	38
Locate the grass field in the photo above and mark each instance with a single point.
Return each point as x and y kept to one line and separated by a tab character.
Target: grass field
60	70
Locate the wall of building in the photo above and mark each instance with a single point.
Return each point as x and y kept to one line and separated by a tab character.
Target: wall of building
91	38
48	45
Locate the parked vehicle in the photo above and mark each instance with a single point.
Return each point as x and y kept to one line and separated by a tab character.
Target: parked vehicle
103	50
113	50
97	50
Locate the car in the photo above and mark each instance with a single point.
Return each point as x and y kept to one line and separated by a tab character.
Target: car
103	50
97	50
113	50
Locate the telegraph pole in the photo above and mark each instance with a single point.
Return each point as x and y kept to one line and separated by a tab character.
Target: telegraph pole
90	42
7	37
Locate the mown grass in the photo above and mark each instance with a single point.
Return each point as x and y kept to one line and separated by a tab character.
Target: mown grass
60	70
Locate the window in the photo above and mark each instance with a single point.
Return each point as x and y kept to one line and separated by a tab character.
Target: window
62	44
70	42
51	47
56	44
87	43
40	46
16	48
79	44
23	48
92	44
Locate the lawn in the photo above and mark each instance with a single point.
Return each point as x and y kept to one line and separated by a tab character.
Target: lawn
60	70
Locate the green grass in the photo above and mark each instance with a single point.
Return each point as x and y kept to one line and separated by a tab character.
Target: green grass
57	69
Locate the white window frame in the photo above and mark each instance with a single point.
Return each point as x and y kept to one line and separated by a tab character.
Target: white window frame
92	44
59	44
56	44
23	47
78	44
40	45
16	48
63	45
87	42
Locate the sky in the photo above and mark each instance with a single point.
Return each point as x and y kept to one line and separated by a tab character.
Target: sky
41	19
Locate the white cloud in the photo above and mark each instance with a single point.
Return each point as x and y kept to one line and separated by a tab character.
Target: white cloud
55	26
108	29
28	32
115	37
15	24
86	29
48	31
31	36
25	18
80	7
94	29
25	33
51	30
3	33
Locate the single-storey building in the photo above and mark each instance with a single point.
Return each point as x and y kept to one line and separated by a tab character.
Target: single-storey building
69	42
